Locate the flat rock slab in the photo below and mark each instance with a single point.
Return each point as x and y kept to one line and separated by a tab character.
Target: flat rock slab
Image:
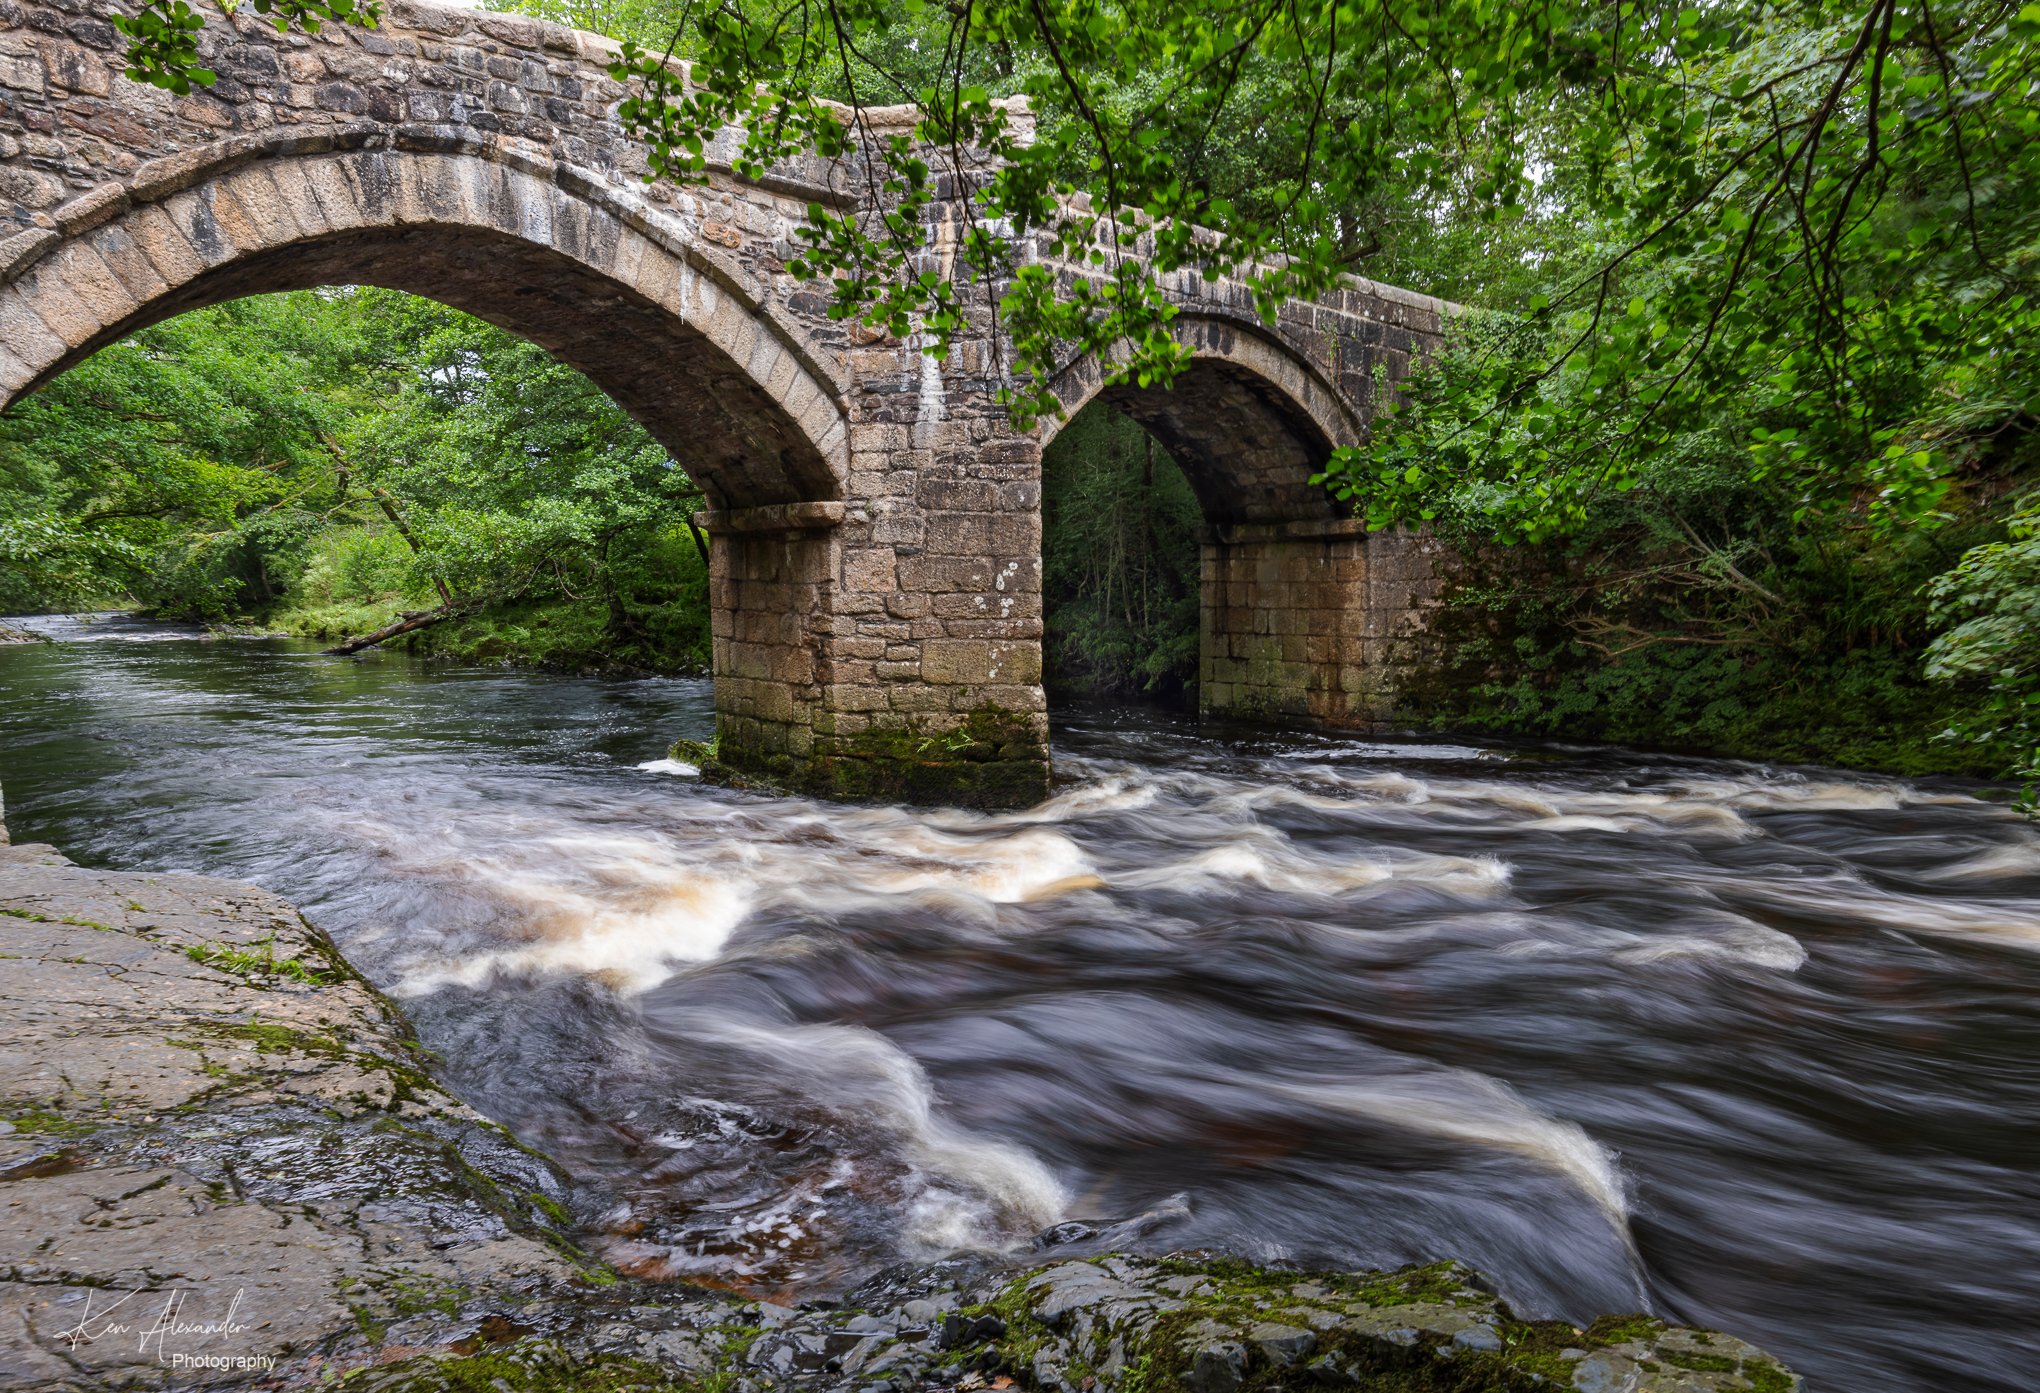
218	1144
224	1162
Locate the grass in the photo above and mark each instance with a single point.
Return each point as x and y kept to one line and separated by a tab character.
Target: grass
35	918
258	962
554	635
43	1122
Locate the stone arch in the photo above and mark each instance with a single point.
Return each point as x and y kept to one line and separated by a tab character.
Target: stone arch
555	254
1249	420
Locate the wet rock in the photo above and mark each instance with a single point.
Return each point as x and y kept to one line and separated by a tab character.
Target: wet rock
1074	1286
1605	1373
1332	1374
250	1141
953	1333
1072	1232
1481	1339
923	1312
1142	1226
1217	1368
1283	1345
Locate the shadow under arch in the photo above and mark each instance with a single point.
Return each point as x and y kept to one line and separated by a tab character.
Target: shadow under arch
1248	420
559	258
1304	614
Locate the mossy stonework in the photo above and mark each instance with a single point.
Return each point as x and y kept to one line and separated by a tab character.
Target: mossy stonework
1135	1325
1314	622
991	759
875	514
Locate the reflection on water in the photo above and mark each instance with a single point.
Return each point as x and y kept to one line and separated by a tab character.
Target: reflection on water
1752	1048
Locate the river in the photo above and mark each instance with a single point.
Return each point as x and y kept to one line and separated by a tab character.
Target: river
1751	1048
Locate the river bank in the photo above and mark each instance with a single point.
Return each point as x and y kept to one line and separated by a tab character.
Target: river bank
225	1162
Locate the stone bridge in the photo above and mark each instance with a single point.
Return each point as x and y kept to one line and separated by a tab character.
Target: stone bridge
876	553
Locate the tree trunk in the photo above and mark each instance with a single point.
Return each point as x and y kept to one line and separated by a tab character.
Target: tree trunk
404	624
389	508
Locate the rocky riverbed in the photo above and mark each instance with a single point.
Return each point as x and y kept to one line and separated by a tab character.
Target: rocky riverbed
224	1162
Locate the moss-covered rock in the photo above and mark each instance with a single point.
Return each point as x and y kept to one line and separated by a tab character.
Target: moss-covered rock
530	1366
1142	1326
207	1110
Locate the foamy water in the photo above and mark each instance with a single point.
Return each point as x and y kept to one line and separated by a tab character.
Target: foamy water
1750	1047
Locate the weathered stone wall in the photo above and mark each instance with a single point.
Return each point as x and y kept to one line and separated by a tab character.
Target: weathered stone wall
1261	407
766	588
1312	622
876	584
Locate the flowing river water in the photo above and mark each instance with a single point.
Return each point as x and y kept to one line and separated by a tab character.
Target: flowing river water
1751	1048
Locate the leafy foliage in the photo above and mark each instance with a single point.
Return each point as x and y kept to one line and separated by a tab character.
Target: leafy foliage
326	460
1779	380
1992	600
1119	563
178	468
163	35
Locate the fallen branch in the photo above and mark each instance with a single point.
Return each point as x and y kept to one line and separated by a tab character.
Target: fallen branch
407	622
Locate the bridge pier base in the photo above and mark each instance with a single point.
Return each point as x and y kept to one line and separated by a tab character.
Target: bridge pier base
889	649
1312	622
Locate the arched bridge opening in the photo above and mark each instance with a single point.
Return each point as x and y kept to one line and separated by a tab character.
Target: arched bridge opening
1302	613
711	377
357	466
733	392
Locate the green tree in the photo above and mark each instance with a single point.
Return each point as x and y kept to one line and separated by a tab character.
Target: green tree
181	468
1119	556
331	460
1992	604
508	477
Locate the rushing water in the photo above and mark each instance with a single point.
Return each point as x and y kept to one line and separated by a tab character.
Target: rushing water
1751	1048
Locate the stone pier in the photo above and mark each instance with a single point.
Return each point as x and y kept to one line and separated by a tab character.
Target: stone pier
1310	622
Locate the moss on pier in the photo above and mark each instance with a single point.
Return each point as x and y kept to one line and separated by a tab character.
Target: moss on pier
991	759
